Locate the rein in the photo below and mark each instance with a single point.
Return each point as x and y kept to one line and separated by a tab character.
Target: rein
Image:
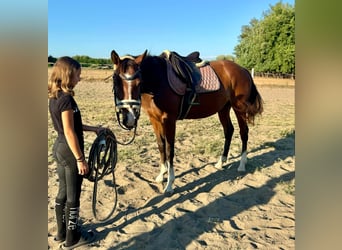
102	161
131	140
108	77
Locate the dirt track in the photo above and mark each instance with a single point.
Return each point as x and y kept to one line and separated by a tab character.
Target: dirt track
211	209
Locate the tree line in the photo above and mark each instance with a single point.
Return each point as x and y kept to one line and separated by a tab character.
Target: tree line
267	45
85	61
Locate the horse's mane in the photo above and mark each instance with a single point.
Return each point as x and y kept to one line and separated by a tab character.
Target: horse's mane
153	72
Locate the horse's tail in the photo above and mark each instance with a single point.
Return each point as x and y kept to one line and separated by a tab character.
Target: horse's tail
255	103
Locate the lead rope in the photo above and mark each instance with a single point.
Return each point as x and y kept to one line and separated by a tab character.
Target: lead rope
102	161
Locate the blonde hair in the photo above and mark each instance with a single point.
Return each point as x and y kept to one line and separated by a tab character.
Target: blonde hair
61	77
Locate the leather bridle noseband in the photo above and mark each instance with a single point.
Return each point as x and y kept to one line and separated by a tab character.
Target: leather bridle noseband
129	104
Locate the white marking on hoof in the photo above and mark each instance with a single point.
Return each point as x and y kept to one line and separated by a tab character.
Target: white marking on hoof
243	161
168	190
220	162
163	170
160	178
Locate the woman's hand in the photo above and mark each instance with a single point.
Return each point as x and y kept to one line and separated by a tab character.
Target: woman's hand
83	167
99	129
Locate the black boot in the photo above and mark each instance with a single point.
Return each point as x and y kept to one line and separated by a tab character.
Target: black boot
60	218
73	234
74	237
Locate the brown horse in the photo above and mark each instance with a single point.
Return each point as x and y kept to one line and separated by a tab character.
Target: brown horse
142	81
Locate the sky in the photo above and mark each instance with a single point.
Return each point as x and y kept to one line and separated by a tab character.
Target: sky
95	28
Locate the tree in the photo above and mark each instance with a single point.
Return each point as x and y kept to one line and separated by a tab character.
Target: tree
268	45
89	60
86	61
225	57
51	59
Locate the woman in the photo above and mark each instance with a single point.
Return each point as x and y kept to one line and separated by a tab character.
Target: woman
68	151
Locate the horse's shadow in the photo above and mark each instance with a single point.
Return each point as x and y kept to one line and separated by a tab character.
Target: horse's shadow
283	148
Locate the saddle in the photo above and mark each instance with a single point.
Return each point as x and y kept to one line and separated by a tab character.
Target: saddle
186	69
184	66
192	57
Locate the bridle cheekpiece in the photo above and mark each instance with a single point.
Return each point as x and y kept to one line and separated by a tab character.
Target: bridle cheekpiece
133	105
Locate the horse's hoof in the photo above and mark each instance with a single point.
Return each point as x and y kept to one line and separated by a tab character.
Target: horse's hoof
159	178
220	162
218	165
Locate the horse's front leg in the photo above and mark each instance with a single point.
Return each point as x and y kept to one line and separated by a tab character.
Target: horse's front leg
168	190
160	136
165	133
166	168
162	164
170	131
163	170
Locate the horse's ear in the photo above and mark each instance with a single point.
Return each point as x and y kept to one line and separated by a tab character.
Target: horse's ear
139	59
115	58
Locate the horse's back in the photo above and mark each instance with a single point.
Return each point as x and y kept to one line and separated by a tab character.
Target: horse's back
233	76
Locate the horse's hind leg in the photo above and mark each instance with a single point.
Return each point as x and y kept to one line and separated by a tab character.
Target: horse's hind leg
228	130
244	138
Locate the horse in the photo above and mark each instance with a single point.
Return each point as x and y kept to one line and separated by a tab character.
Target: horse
142	81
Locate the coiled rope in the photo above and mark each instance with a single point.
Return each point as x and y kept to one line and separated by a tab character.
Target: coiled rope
102	161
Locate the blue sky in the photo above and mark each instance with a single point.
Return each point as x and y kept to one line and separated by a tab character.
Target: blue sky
95	28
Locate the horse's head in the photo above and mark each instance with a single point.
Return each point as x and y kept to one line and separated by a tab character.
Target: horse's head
126	88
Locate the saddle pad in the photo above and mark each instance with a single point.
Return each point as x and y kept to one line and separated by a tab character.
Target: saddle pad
209	81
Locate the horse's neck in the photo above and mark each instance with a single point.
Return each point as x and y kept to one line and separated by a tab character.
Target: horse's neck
153	70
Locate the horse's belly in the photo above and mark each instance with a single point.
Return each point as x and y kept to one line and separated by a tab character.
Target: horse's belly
198	114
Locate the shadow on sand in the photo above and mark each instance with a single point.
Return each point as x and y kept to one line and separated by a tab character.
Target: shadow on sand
284	148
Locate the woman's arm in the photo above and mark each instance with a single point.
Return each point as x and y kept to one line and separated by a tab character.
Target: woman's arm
96	129
90	128
71	138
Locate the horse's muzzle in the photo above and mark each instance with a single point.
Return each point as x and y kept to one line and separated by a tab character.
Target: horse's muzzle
128	113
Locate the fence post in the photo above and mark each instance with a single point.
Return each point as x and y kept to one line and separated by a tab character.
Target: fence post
252	73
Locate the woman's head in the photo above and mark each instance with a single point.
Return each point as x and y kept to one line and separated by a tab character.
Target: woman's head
64	76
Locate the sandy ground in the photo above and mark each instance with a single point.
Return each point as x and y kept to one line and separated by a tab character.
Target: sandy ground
211	208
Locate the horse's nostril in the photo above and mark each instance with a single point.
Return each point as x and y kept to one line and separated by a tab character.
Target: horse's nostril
136	111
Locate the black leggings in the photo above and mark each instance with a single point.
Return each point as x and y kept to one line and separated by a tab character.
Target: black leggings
70	181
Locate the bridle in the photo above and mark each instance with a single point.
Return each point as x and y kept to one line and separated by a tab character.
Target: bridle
126	104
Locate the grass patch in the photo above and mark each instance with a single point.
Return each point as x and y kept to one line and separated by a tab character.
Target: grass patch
287	186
